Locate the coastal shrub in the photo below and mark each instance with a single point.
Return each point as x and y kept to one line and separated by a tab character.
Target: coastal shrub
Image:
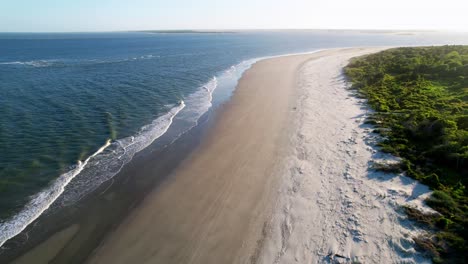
394	167
428	219
420	98
428	246
443	203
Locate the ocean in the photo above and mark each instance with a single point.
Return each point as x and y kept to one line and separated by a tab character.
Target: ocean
75	108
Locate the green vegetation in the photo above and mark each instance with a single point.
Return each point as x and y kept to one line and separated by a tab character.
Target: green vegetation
420	98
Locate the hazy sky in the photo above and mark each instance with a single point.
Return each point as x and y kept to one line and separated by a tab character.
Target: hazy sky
110	15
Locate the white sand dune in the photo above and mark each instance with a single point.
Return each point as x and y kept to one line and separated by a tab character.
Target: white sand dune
332	208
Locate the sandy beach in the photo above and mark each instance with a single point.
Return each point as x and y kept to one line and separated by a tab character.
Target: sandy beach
237	198
220	197
282	176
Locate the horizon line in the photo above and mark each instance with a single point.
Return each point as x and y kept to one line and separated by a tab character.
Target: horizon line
233	30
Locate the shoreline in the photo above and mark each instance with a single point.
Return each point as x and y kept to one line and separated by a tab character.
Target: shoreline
214	173
219	199
201	103
217	202
102	210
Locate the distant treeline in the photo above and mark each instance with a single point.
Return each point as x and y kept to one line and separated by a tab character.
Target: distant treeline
184	31
420	96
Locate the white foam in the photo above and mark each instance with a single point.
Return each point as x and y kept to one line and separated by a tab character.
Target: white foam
199	102
33	63
40	202
95	163
61	62
109	163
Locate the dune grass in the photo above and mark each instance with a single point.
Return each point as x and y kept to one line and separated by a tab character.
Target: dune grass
420	98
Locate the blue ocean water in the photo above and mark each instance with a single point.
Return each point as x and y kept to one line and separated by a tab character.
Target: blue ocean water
75	108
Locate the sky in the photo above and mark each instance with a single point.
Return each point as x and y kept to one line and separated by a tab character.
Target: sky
117	15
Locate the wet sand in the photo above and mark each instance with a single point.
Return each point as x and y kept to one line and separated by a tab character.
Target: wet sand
216	205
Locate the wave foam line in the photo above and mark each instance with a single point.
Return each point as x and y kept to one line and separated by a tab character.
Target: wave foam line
108	164
33	63
72	62
44	199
